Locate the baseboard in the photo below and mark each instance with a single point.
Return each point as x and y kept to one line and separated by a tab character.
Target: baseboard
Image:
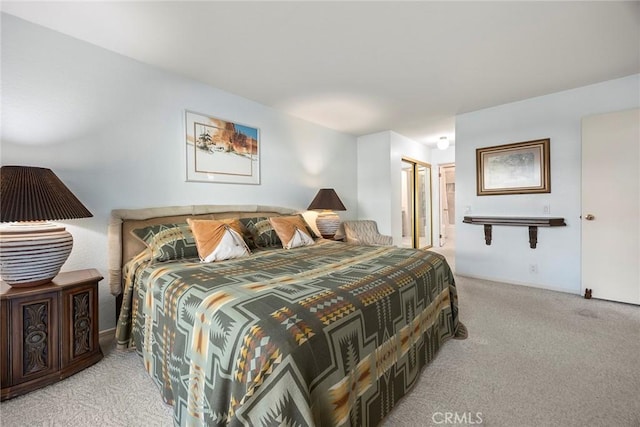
107	334
529	285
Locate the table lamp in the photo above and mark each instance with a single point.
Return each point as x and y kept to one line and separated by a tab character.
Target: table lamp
32	250
327	201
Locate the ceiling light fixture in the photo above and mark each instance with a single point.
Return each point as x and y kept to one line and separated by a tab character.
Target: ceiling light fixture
443	143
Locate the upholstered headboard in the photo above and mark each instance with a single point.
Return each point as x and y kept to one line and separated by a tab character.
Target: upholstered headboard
123	246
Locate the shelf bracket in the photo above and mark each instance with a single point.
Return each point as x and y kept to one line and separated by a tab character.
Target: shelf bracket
487	234
533	236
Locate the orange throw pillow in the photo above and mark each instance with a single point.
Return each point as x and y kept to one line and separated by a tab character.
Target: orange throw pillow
218	240
292	231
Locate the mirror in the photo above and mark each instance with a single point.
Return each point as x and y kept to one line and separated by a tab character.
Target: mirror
423	206
416	204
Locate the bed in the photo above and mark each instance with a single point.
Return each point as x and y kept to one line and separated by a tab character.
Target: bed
327	334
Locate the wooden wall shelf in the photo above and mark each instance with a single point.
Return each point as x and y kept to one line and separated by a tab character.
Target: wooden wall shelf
532	222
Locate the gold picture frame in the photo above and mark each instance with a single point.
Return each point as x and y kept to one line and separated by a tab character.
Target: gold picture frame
519	168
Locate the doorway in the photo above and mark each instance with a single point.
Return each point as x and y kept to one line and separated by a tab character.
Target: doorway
416	204
447	175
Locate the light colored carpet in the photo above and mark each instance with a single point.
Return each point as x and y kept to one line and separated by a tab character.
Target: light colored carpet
114	392
533	358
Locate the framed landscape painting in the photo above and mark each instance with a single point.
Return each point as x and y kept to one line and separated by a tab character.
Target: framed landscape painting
519	168
221	151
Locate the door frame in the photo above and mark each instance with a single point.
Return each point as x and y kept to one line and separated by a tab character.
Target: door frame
416	199
442	234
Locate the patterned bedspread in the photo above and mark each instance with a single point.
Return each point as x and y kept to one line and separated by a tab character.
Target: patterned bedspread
329	334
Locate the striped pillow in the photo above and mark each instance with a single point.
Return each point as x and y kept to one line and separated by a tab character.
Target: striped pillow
260	233
168	241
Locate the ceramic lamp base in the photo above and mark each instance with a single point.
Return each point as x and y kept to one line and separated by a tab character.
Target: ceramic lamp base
328	223
32	255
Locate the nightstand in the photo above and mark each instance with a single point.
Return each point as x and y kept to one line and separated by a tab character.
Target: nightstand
48	332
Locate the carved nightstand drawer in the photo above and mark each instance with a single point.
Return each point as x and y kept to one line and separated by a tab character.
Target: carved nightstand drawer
48	332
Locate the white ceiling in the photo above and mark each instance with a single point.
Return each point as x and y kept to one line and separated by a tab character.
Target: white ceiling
363	67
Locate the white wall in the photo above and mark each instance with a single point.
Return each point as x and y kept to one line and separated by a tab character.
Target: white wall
556	116
374	184
112	129
379	178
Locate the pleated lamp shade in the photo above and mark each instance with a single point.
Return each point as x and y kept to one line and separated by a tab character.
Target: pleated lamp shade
327	201
32	253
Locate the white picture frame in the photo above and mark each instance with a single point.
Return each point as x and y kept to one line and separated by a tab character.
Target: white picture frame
221	151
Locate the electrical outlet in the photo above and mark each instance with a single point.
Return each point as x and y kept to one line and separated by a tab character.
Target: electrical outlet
546	209
467	209
533	268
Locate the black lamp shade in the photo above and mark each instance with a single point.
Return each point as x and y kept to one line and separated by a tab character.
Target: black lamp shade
327	199
36	194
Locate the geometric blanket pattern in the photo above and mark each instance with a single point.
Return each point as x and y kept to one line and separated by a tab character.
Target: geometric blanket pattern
329	334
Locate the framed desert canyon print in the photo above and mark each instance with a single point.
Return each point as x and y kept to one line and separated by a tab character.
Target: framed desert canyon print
218	150
519	168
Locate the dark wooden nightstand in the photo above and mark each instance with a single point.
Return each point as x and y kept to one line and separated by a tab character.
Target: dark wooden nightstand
48	332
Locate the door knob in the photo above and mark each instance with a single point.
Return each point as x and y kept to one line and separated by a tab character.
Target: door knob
589	217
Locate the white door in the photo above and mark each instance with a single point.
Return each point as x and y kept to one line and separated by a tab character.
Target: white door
611	206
